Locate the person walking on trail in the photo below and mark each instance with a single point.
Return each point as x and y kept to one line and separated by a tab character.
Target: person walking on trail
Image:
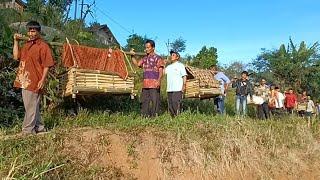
176	83
262	90
224	83
302	104
310	110
35	60
272	99
152	65
243	89
318	109
290	101
279	102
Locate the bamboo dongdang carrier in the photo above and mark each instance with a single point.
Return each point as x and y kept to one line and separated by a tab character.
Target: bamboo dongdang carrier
93	71
87	82
201	84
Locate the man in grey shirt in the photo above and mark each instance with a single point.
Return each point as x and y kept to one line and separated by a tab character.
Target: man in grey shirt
224	83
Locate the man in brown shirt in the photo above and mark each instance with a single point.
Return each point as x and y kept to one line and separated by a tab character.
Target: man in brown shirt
35	59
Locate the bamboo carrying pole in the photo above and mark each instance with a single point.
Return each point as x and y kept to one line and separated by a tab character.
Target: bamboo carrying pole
24	38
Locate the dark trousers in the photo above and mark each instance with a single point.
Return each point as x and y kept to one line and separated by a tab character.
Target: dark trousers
174	103
290	110
150	102
263	111
277	112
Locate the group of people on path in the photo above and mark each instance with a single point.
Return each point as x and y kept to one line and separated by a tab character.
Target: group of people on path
36	58
269	100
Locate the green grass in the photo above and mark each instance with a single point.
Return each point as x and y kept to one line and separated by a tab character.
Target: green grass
223	143
44	156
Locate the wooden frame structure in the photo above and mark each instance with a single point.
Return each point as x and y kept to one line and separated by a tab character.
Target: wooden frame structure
201	84
90	82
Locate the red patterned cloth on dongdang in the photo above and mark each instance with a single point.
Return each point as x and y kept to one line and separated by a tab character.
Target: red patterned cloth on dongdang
85	57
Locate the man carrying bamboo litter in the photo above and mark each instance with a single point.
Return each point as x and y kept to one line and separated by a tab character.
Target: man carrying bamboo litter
152	65
176	83
35	59
224	83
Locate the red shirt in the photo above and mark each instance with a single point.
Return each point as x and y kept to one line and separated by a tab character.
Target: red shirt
34	56
290	100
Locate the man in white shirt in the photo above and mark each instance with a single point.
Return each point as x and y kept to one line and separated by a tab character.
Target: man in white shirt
310	110
176	83
279	101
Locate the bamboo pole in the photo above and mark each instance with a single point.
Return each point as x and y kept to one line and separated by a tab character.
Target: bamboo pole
24	38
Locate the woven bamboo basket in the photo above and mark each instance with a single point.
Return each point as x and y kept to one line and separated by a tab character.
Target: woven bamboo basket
201	84
87	82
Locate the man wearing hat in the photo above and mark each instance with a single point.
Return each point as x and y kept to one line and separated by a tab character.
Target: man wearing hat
176	83
35	59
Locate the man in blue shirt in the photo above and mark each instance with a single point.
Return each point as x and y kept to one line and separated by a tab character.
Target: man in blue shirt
224	83
176	83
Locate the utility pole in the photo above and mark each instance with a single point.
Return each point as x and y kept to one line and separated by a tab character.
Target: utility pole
168	48
81	10
85	9
75	9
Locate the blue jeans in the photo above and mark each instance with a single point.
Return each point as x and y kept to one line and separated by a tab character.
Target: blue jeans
241	101
219	102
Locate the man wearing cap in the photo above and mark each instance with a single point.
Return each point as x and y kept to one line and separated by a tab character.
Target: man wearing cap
176	83
152	65
224	83
35	59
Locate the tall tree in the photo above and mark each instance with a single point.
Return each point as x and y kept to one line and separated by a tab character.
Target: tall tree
179	45
52	13
136	42
234	69
205	58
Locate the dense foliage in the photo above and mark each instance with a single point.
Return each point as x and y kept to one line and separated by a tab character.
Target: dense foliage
292	66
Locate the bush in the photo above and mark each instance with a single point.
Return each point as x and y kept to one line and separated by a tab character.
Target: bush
11	108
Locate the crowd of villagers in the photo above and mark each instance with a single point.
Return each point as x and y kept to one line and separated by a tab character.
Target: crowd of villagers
271	101
35	59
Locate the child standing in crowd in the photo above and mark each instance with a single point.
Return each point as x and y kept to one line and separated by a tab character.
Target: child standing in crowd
318	109
302	103
272	99
279	101
262	91
310	110
290	101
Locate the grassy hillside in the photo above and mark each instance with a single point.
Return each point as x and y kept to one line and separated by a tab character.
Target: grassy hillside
99	144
